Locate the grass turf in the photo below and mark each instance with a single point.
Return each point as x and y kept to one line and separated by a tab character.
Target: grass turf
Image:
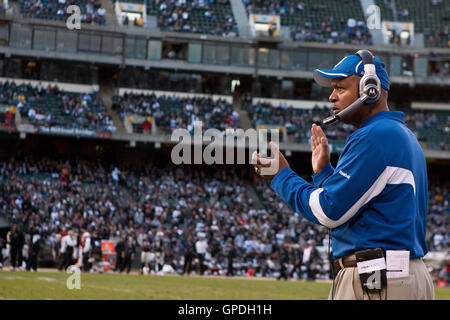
52	285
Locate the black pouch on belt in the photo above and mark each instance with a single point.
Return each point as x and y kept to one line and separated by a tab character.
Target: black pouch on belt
372	269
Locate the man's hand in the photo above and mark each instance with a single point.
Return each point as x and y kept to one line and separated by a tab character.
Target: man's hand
320	157
268	168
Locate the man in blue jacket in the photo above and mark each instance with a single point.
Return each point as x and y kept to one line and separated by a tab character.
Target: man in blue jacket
376	197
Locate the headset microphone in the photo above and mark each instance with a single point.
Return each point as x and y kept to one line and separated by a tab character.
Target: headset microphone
342	114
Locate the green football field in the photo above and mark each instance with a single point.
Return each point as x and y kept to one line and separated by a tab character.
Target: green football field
53	285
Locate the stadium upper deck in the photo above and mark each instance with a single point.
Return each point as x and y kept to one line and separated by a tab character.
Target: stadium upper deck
328	21
115	57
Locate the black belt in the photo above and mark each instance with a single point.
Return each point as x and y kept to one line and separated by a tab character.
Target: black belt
345	262
350	262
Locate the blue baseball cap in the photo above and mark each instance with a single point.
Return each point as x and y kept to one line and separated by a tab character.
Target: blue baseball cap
348	66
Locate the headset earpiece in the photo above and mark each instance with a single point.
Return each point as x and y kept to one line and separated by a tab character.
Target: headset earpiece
369	83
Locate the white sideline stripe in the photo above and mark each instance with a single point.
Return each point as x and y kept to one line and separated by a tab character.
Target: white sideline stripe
390	175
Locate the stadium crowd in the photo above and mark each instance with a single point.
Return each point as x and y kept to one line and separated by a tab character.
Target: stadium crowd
183	16
296	121
355	32
171	112
173	219
73	110
329	29
7	116
427	125
440	37
91	10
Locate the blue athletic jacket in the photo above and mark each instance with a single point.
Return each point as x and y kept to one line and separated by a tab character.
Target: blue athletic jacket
377	195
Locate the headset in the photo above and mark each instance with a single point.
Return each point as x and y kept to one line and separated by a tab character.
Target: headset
369	88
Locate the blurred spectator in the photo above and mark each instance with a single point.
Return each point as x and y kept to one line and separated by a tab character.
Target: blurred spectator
16	242
189	254
2	248
129	252
33	254
146	255
311	259
283	256
68	244
86	243
231	257
120	253
201	247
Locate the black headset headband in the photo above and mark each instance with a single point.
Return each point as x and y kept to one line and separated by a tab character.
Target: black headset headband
366	56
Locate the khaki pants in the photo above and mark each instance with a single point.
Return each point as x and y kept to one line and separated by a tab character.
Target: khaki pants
417	286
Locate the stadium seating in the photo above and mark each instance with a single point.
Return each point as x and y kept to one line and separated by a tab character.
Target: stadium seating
385	10
311	21
7	118
50	107
296	121
208	17
171	202
432	20
91	10
170	113
430	126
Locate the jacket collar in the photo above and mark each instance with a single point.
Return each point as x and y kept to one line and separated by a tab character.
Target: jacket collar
393	115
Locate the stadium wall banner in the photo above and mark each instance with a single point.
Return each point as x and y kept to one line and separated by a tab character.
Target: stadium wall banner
64	86
182	95
8	127
28	128
4	109
74	132
296	104
104	134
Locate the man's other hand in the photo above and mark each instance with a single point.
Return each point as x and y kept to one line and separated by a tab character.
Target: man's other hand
320	157
268	168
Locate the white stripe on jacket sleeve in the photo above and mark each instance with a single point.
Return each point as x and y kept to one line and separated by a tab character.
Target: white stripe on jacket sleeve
390	175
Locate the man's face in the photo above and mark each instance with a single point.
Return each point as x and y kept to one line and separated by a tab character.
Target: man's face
345	92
